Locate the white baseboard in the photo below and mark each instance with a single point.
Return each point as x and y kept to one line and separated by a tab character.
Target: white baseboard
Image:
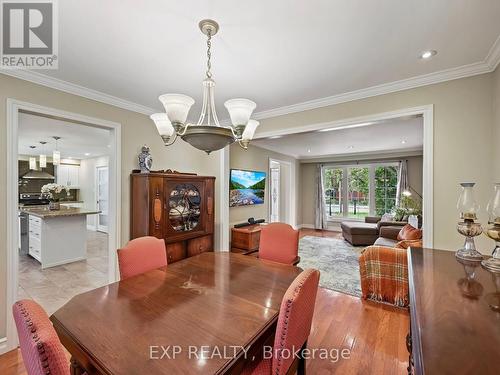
331	228
4	348
63	262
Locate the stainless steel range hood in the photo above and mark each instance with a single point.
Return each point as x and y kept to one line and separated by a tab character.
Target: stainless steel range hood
37	175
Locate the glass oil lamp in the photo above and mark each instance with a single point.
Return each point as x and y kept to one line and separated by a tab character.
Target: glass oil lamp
493	231
468	207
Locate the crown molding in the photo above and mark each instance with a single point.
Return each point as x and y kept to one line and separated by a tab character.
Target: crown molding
387	88
363	156
493	57
488	65
71	88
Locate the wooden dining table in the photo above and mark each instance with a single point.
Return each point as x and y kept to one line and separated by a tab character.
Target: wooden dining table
208	314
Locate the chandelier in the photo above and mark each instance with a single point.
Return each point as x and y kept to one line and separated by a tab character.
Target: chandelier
207	134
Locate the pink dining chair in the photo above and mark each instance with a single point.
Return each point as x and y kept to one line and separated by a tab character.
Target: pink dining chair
294	326
41	349
141	255
279	242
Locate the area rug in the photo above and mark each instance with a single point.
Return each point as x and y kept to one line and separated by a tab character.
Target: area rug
336	259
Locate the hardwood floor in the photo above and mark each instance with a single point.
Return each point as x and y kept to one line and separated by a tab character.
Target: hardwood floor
373	335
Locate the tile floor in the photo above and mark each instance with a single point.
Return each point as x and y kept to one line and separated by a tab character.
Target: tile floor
53	287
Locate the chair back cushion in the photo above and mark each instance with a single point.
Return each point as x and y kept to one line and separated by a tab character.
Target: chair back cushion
141	255
409	233
279	242
40	347
294	322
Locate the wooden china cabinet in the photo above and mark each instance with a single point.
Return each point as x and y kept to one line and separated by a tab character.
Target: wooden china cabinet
177	207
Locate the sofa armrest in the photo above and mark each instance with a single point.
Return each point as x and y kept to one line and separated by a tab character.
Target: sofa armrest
384	275
391	224
390	232
372	219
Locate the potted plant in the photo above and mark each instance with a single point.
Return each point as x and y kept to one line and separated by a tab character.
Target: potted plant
55	192
407	206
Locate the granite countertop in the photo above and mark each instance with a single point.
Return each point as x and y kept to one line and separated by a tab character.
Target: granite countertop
44	212
21	205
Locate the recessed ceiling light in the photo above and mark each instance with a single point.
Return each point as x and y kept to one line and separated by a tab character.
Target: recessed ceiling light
428	54
309	150
87	154
403	141
350	147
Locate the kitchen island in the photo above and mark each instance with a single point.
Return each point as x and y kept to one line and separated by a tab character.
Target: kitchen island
57	237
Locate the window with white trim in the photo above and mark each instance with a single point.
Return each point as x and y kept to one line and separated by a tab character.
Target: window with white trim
357	191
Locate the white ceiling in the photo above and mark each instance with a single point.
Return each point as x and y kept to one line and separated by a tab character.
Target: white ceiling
277	53
377	137
76	140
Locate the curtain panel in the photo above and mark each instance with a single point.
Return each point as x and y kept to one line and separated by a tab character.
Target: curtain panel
403	184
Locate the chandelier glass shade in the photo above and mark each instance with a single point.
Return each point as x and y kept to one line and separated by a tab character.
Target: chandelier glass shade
56	157
56	154
207	134
43	161
32	163
43	157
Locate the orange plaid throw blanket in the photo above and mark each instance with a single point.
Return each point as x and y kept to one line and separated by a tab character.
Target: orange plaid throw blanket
384	275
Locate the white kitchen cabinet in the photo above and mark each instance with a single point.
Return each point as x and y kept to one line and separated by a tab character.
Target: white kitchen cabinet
68	175
57	237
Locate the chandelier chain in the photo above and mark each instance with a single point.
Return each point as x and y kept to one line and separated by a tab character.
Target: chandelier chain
209	54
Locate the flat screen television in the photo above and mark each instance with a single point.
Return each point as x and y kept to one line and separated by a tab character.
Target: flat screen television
246	188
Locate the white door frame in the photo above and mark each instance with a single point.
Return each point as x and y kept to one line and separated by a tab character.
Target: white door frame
99	227
272	170
292	212
13	107
427	113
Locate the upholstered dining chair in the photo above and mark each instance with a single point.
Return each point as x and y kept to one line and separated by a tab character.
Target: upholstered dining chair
279	242
292	331
141	255
41	349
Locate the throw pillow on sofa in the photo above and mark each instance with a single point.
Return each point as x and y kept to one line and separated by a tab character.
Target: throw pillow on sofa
409	233
405	244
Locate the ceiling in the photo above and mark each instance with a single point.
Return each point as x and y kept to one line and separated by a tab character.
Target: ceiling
375	137
277	53
77	141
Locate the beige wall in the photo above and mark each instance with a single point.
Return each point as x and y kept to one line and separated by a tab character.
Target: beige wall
307	181
496	128
415	173
463	144
137	130
255	159
307	193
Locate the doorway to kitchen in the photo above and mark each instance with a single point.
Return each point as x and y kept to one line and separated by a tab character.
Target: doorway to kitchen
63	185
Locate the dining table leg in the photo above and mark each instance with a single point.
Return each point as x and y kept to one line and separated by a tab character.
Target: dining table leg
75	368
